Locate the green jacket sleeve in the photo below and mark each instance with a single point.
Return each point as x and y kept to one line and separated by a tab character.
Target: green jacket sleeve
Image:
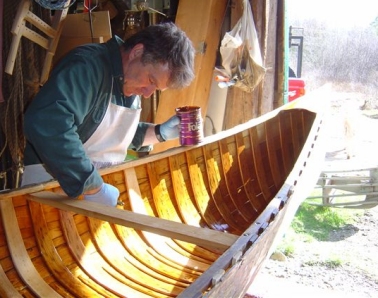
52	119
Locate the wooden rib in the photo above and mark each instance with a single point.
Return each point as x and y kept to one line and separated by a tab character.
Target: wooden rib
201	191
137	205
296	128
88	258
188	211
258	141
220	199
286	136
141	251
194	180
6	288
204	237
157	242
306	123
175	204
274	152
165	254
161	184
142	259
20	257
81	275
51	256
304	129
164	246
197	288
114	253
263	135
219	163
239	165
233	179
196	252
248	172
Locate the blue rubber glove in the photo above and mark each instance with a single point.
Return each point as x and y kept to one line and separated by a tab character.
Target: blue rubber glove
170	129
107	195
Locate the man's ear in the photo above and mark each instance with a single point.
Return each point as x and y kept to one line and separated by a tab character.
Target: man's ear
136	51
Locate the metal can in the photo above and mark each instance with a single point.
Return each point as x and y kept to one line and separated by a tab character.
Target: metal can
191	125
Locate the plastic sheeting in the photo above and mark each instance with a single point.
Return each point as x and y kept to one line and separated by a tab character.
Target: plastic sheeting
240	52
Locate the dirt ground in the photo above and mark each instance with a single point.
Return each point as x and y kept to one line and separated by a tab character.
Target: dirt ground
353	141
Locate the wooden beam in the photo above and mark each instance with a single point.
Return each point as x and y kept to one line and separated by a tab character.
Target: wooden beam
20	257
269	53
200	236
202	22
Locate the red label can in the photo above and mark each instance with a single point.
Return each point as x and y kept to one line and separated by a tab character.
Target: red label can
191	125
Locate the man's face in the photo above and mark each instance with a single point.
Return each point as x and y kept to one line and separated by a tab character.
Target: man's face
142	79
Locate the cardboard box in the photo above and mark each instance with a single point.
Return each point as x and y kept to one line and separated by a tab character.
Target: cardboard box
77	31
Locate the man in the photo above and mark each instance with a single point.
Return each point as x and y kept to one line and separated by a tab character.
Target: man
86	115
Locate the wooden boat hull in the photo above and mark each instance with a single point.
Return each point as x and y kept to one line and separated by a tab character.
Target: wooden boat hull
195	221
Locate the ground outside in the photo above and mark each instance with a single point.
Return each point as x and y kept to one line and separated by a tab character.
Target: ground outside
266	286
352	141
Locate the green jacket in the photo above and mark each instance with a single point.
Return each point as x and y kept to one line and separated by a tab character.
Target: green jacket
69	108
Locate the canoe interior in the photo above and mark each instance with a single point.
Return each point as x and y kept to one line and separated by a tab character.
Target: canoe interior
225	184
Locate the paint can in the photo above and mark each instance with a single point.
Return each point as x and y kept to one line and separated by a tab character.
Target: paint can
191	125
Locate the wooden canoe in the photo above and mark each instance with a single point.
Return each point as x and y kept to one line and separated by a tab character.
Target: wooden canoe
195	221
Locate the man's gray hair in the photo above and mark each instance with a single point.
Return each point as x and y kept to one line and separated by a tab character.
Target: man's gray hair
166	43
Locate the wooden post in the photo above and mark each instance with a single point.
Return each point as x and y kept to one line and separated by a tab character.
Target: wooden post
269	53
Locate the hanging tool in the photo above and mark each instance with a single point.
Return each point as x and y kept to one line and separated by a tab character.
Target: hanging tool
143	5
88	6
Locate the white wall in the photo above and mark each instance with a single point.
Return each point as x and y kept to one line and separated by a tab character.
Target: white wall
215	109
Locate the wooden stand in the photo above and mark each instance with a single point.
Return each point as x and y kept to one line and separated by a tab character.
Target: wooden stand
50	42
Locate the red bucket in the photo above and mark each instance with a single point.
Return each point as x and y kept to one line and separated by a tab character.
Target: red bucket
191	125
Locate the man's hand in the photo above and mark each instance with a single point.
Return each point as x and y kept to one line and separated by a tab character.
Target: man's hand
106	195
170	129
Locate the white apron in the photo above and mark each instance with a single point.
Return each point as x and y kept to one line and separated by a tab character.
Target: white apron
107	146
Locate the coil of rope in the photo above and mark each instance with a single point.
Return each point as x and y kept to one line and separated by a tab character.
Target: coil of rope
55	4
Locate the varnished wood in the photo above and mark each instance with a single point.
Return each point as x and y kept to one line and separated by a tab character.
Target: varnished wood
7	289
196	220
92	263
54	261
20	257
160	226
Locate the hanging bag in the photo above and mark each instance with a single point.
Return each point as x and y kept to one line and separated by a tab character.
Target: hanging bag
240	52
